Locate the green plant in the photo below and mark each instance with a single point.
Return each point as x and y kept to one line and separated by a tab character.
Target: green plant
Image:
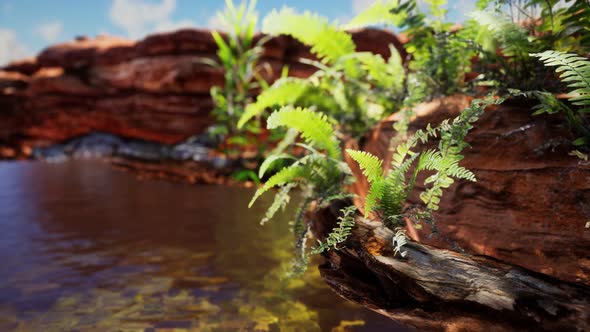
320	173
530	26
440	55
511	67
238	55
563	25
340	233
355	88
389	192
574	70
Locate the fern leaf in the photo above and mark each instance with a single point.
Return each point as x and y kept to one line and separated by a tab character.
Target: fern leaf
340	233
314	127
373	171
268	162
513	39
280	201
574	70
380	12
289	174
374	195
370	165
390	74
283	92
327	41
396	190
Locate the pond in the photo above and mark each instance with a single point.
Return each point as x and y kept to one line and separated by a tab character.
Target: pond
85	247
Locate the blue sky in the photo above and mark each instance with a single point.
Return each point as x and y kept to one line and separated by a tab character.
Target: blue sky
28	26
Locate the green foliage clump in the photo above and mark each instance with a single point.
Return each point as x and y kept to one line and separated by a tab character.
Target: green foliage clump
562	27
380	12
441	56
238	55
356	89
389	192
351	91
340	233
319	174
327	41
574	70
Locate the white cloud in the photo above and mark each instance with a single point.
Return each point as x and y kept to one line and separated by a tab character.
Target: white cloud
10	47
51	31
140	17
360	5
216	23
460	9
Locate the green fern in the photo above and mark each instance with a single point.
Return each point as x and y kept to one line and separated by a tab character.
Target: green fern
286	175
388	74
327	41
268	162
369	164
573	69
389	193
281	200
373	171
340	233
514	40
283	92
380	12
314	127
396	188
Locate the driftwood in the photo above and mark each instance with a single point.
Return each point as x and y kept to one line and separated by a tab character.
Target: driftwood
441	290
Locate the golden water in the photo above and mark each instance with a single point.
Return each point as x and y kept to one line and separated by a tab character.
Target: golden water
84	247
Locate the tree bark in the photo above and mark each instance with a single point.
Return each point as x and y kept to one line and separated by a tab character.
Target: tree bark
441	290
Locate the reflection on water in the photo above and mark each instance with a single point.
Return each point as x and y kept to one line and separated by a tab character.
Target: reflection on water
87	248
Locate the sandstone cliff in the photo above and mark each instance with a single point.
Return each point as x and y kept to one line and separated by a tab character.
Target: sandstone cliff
153	89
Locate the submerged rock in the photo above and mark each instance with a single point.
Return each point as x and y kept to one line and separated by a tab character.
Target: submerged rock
102	145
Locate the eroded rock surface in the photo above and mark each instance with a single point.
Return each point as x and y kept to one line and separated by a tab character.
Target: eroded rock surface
155	89
531	202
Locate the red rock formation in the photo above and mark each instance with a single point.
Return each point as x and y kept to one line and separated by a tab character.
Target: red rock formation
154	89
531	201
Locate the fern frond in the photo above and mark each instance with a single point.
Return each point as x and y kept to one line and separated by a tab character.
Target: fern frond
396	190
390	74
340	233
573	69
280	201
268	162
514	40
283	92
289	174
446	167
373	171
327	41
371	165
374	195
380	12
313	126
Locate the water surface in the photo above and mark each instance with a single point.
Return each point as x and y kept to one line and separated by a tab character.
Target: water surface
84	247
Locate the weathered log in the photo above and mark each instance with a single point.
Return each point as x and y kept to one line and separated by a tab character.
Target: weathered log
441	290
